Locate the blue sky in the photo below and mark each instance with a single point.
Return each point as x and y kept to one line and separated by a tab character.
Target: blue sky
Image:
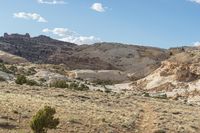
160	23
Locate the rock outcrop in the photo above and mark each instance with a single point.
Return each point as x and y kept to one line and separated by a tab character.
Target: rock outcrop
178	77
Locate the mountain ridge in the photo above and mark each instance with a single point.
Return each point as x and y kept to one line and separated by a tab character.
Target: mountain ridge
133	59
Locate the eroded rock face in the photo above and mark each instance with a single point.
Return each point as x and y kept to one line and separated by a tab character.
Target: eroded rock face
178	79
167	68
184	74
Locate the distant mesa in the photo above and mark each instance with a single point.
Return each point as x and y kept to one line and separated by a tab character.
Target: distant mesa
26	36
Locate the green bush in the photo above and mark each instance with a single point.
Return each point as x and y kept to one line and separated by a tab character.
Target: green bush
31	83
78	86
21	79
59	84
103	82
83	87
44	120
73	86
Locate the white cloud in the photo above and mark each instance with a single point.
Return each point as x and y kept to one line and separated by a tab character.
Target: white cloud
61	32
51	2
67	35
196	44
196	1
98	7
33	16
81	39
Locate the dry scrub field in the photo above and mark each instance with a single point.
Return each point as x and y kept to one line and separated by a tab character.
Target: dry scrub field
95	112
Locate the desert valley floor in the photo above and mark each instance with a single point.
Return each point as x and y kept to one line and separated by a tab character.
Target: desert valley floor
95	112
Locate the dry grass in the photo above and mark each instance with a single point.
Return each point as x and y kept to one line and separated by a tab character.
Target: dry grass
92	112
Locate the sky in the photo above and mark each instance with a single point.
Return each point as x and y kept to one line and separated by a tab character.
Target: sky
158	23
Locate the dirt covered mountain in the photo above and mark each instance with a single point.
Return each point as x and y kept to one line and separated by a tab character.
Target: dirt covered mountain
139	61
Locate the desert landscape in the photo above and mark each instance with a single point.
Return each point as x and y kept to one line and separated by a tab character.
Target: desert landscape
100	66
160	95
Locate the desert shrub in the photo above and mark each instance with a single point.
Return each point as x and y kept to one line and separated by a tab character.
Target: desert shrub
2	79
4	68
44	120
146	94
59	69
1	61
83	87
159	131
31	83
31	71
103	82
59	84
73	86
21	79
13	69
99	90
78	86
42	80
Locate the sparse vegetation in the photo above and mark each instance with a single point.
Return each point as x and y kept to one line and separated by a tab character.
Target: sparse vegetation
146	94
83	87
159	131
2	79
59	84
3	68
104	82
78	86
73	85
13	69
44	120
21	79
31	83
31	71
42	80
